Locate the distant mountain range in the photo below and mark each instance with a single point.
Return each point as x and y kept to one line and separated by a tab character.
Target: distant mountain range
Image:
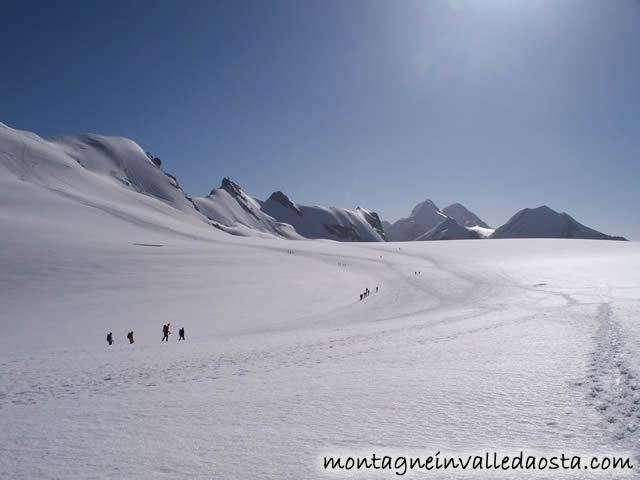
115	176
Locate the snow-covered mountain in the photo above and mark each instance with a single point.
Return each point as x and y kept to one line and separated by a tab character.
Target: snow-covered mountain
428	222
236	211
543	222
94	179
424	216
463	216
240	214
320	222
90	164
114	176
468	219
449	229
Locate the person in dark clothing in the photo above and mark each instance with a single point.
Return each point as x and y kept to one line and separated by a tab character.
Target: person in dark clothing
130	337
376	289
110	338
360	296
181	334
165	332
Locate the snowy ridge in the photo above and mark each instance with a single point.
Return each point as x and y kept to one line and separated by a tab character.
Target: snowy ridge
328	223
116	177
231	207
240	214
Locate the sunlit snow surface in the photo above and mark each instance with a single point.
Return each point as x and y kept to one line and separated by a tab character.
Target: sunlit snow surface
510	344
469	346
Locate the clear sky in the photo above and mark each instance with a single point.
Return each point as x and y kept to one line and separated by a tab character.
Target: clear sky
497	104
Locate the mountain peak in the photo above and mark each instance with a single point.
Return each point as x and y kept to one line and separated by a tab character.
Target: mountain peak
283	200
427	205
544	222
230	186
463	216
423	218
543	209
280	198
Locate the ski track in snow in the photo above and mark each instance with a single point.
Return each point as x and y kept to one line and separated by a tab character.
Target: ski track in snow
613	384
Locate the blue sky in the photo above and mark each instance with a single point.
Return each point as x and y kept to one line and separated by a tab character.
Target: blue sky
497	104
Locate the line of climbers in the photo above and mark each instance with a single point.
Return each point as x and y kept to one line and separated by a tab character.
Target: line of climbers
366	293
165	335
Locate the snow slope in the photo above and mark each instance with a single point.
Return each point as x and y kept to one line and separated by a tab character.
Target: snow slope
543	222
83	175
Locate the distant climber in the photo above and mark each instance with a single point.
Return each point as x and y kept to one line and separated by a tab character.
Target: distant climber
130	337
110	338
166	332
376	289
181	334
361	296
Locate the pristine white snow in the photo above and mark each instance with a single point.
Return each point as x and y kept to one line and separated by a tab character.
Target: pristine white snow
502	344
505	344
